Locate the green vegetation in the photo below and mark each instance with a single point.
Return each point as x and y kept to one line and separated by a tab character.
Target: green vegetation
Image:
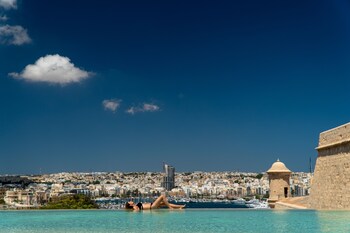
2	202
17	180
76	201
259	176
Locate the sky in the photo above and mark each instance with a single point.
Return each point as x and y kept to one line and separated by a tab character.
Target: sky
202	85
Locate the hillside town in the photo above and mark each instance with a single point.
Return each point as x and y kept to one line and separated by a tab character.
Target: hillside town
36	190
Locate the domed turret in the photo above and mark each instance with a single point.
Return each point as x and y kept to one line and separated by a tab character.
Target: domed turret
279	176
278	166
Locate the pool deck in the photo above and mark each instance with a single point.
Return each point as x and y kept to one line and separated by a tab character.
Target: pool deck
293	203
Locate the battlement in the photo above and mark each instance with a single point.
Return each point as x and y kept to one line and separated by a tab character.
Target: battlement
334	137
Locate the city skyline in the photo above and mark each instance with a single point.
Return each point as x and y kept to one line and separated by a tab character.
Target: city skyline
123	86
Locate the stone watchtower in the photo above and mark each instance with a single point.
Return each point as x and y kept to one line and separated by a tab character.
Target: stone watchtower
279	176
331	182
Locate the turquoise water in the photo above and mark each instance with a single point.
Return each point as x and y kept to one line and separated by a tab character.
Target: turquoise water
204	220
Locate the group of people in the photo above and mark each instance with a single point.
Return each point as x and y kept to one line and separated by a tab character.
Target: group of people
161	201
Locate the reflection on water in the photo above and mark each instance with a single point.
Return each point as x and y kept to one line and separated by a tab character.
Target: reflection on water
281	212
334	221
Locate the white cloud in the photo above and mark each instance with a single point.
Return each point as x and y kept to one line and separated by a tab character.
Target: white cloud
8	4
52	69
15	35
111	104
150	108
145	107
3	18
131	110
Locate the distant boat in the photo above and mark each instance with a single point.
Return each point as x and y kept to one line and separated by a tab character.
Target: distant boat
240	201
256	204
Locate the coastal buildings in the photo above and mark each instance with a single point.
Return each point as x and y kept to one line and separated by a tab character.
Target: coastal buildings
279	177
20	198
197	185
300	183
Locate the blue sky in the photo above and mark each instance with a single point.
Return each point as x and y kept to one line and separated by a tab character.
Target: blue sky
210	86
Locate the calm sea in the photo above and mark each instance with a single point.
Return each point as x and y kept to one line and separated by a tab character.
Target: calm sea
163	220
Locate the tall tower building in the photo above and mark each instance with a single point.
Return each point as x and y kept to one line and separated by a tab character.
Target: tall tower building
169	177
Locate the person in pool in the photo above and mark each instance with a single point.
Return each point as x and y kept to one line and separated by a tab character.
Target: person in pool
159	202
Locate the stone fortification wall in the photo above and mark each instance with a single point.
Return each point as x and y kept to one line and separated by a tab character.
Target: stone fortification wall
331	183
